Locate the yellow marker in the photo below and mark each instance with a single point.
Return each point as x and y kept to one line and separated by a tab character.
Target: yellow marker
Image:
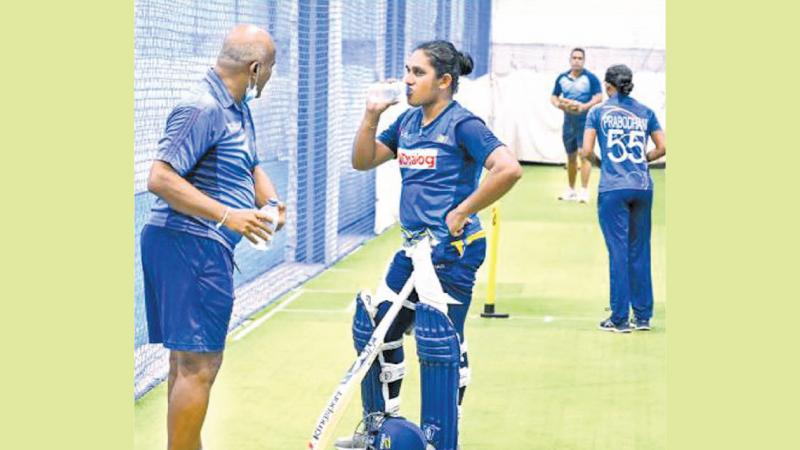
491	293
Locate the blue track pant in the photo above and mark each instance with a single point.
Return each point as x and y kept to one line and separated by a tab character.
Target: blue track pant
625	220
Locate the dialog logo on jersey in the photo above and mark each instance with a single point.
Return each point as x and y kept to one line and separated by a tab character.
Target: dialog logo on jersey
418	158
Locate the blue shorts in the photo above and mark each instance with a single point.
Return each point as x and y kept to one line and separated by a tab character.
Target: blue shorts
572	133
188	289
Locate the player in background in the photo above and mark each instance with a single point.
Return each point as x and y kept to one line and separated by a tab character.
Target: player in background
625	200
441	149
575	91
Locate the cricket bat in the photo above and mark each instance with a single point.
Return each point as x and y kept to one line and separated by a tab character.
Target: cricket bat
335	406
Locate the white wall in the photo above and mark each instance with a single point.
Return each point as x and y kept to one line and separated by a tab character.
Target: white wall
609	23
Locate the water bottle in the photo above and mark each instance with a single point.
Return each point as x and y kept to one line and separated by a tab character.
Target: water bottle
385	91
271	209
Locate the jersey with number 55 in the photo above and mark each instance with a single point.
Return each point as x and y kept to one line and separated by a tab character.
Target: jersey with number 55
623	128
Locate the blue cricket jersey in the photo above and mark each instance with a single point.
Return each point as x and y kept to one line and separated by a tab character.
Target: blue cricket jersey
440	165
210	141
581	89
623	127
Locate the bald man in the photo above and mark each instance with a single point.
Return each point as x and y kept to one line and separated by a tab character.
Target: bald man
210	187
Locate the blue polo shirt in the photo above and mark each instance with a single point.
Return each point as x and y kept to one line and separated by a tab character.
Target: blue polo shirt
581	89
440	165
623	127
210	141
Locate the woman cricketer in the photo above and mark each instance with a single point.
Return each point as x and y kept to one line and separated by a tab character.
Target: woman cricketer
441	149
625	196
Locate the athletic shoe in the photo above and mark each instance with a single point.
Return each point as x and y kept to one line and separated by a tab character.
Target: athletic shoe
569	195
583	195
608	325
357	441
641	324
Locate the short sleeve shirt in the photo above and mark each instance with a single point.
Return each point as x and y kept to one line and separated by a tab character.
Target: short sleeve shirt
623	128
581	89
210	141
440	164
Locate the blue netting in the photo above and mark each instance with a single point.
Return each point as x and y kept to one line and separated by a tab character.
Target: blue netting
395	47
357	69
312	117
466	23
420	23
444	12
328	52
476	35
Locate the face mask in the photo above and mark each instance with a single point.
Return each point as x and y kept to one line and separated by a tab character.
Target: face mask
251	91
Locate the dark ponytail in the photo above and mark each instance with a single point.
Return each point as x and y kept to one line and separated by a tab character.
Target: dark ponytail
465	63
444	58
621	77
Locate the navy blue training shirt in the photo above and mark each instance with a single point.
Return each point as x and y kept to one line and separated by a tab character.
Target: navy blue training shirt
440	164
210	141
